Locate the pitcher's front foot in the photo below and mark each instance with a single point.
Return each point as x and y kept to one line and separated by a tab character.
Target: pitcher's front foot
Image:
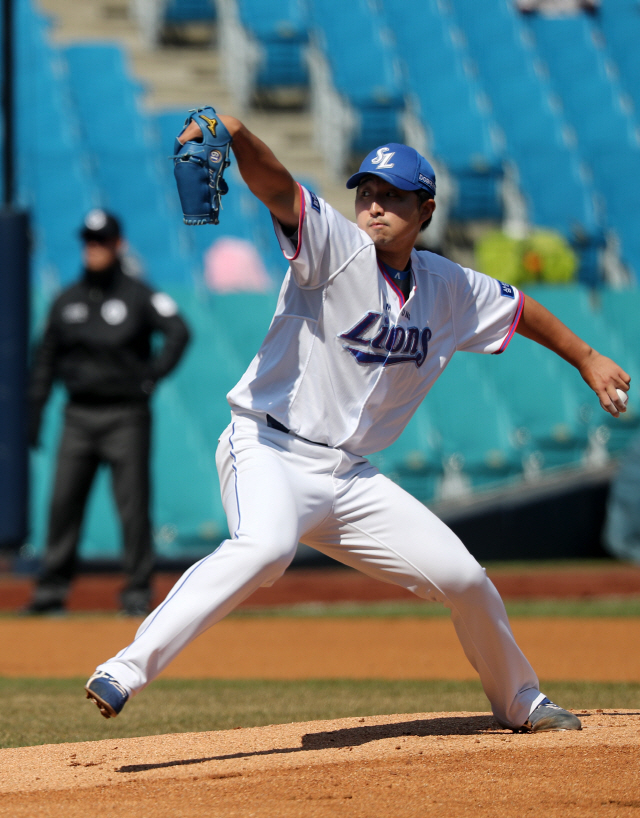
548	716
108	694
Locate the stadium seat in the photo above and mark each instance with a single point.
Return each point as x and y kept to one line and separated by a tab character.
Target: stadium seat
473	424
572	305
549	168
188	509
245	318
210	368
376	97
545	407
619	23
189	11
462	133
281	30
128	166
595	104
52	172
620	310
414	460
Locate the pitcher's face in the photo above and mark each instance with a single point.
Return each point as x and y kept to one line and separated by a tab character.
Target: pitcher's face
388	215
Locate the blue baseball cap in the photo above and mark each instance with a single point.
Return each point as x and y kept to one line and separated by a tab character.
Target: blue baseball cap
401	166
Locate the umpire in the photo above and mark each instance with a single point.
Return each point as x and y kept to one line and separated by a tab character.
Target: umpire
98	343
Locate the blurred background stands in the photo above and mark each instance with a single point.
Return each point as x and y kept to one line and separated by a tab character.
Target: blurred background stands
535	184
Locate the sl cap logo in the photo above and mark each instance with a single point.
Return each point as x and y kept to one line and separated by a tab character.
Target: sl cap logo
383	158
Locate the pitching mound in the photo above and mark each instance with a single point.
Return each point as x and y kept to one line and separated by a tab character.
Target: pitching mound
440	764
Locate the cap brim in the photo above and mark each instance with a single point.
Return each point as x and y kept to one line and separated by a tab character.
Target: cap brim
396	181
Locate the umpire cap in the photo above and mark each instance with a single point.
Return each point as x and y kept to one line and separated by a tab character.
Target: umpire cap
98	225
400	165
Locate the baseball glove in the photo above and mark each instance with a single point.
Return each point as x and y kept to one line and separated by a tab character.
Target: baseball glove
199	167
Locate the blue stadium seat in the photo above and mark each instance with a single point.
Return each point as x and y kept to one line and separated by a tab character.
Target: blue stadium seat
473	423
462	132
128	171
187	497
59	197
595	105
619	22
52	175
281	29
558	193
245	318
189	11
620	310
104	90
572	305
414	461
377	96
589	94
211	367
545	407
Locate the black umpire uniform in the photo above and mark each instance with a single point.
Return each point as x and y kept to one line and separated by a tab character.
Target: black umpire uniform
98	343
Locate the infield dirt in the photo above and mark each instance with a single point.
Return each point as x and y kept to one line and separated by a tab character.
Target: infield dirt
599	650
435	764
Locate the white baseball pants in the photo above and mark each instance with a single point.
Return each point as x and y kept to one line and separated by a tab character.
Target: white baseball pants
277	490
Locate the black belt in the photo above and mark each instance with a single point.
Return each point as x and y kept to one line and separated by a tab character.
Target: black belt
275	424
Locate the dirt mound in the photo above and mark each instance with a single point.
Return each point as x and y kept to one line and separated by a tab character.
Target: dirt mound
441	764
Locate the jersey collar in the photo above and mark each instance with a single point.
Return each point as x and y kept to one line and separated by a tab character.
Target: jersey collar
393	277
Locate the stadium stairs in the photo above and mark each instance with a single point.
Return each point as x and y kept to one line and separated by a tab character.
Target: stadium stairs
184	76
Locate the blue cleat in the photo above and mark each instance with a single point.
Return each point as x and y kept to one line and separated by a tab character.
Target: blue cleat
109	695
548	716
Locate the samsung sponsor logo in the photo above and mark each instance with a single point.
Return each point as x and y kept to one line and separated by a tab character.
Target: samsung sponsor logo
506	290
426	181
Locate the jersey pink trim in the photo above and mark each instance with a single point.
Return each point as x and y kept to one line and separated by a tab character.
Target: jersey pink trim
303	206
391	283
514	324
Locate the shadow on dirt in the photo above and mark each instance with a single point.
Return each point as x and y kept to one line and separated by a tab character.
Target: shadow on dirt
350	737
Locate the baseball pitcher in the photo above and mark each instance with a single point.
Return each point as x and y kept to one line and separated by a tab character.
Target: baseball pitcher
364	326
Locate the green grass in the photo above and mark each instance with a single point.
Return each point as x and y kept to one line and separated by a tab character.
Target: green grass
46	711
607	606
531	566
620	606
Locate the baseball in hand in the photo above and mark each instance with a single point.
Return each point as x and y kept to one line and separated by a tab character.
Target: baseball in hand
623	397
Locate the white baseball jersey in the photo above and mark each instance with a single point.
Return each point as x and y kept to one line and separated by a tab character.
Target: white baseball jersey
347	360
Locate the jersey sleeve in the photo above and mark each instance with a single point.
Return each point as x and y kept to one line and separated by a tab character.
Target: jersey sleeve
485	312
324	242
